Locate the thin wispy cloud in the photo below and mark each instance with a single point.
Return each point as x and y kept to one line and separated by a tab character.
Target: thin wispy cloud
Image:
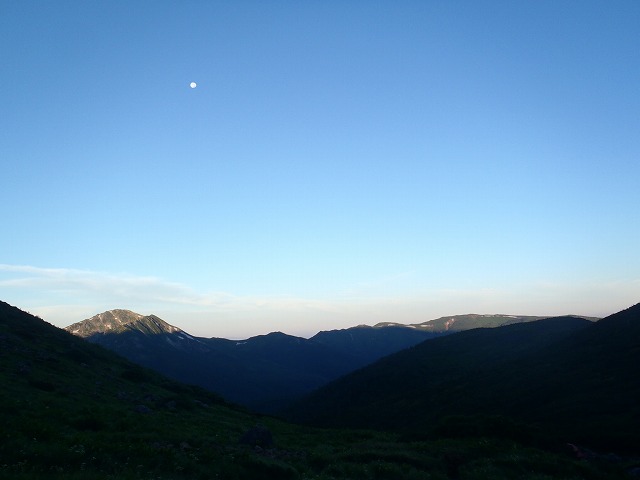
106	285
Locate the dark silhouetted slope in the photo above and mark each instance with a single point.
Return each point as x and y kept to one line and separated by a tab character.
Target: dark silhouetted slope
567	374
392	391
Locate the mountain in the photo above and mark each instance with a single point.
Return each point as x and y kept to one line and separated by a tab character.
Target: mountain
73	410
118	321
264	373
267	372
568	375
124	329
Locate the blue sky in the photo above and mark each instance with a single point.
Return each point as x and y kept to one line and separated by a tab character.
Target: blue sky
338	163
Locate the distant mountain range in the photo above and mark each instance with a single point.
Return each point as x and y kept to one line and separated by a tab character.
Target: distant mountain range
267	372
562	374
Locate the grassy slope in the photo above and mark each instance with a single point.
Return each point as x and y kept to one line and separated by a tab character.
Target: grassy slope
73	410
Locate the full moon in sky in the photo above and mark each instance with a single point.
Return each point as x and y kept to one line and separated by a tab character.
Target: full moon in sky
193	84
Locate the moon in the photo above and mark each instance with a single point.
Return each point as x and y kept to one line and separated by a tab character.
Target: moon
193	84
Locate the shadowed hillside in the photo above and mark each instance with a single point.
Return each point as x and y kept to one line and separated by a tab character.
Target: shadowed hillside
575	378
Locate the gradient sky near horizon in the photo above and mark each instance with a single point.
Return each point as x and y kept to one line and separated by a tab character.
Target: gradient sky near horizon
339	163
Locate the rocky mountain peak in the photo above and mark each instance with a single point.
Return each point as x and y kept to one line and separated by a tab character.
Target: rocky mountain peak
119	320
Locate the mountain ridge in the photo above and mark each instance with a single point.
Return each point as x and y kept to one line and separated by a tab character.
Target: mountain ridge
115	320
